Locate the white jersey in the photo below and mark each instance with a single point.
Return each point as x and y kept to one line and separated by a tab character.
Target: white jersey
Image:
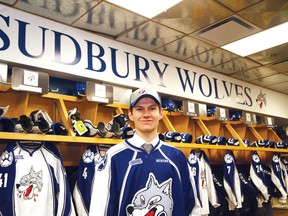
33	181
231	181
279	177
201	173
90	160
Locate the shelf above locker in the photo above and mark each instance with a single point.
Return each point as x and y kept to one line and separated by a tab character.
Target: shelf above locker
113	141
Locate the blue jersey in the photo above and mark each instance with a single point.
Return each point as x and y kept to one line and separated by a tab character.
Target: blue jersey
231	181
132	182
258	177
249	194
279	177
91	158
33	181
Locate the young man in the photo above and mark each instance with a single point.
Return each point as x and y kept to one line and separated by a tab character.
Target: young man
134	181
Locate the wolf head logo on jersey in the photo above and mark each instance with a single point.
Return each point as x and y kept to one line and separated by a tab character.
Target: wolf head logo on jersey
29	185
192	159
153	200
255	158
275	158
228	158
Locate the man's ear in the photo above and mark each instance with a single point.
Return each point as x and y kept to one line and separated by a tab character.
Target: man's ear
130	115
161	113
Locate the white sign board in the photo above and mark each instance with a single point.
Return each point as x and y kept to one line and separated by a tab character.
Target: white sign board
38	42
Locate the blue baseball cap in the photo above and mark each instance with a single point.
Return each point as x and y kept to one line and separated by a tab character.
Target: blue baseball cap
142	93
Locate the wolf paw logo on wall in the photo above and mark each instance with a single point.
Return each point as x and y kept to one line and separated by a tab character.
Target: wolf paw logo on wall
261	100
153	200
29	185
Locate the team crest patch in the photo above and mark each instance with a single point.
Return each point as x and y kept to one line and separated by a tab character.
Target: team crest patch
88	156
192	159
153	200
275	158
255	158
6	159
228	158
29	185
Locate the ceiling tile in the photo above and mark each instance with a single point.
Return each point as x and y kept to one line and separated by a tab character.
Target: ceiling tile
109	20
255	73
215	59
271	80
267	13
150	36
191	15
233	65
9	2
184	48
272	55
65	11
282	66
281	87
237	5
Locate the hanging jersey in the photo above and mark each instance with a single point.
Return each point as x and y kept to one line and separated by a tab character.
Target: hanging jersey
279	177
258	177
202	174
193	167
249	194
273	191
33	181
132	182
221	193
231	181
90	160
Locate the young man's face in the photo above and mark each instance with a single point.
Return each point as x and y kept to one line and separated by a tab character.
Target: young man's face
146	115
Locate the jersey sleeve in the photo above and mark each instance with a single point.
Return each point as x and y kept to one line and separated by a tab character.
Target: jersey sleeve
83	186
193	167
100	187
231	181
7	181
65	205
212	194
191	203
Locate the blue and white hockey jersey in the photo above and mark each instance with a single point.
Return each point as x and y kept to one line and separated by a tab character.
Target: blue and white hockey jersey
231	181
90	160
258	178
200	171
279	177
33	181
132	182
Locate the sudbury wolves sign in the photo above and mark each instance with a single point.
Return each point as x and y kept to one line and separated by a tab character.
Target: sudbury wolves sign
66	51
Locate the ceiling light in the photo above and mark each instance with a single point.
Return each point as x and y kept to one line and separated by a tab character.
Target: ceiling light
147	8
260	41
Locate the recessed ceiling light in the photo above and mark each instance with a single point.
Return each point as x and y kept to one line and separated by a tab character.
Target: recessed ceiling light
147	8
260	41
